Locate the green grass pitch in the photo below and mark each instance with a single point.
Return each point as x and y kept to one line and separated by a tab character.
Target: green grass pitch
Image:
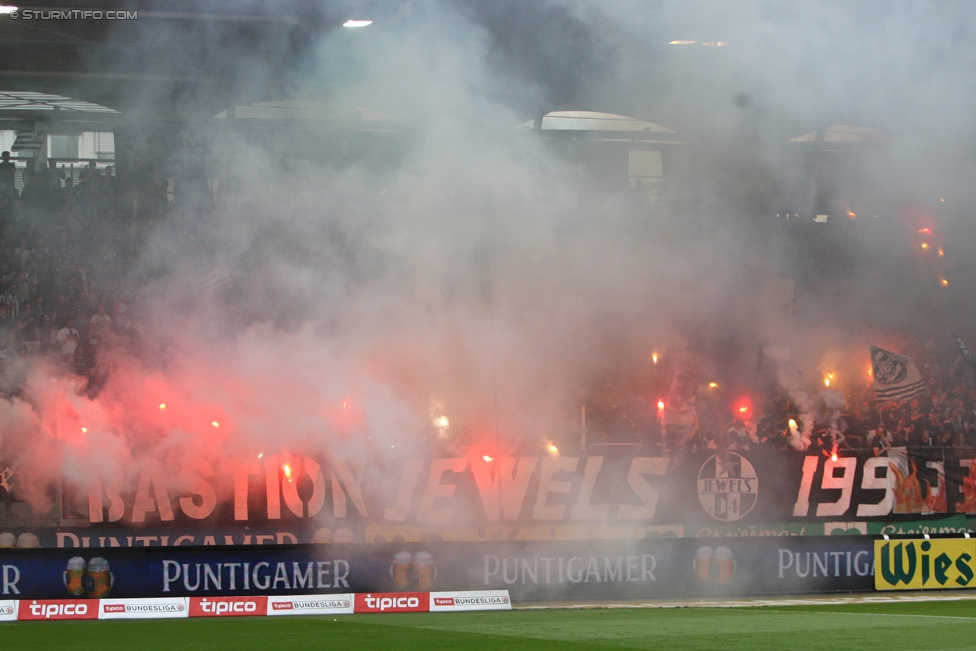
939	625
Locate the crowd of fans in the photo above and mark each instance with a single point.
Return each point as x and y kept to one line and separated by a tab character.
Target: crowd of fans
944	415
67	238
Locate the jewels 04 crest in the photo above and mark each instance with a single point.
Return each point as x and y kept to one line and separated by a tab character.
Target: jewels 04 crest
727	486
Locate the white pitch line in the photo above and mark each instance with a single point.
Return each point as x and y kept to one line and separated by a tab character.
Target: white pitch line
786	601
832	612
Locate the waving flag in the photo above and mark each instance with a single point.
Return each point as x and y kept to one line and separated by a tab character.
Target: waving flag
895	376
966	355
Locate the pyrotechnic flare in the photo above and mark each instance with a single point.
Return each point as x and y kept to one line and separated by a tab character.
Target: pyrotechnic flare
795	438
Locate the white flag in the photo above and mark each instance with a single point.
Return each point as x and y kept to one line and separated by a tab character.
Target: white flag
895	376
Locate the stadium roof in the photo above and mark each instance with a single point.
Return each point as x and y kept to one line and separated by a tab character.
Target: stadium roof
843	136
603	126
32	101
324	113
593	121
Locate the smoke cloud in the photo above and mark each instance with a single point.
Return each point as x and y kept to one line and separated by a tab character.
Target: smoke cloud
502	274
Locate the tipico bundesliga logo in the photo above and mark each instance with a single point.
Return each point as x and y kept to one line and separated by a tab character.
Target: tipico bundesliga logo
728	487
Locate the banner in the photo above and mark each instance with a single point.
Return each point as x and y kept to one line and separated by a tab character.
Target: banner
336	604
925	564
8	610
457	601
226	582
754	493
158	608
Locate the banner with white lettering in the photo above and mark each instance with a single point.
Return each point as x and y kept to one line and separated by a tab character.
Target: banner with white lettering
275	501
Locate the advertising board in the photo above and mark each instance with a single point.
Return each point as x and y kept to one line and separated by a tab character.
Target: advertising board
925	564
530	571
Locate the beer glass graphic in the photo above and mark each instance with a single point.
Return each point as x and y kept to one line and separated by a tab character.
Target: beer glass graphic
423	565
400	570
703	563
726	565
100	580
74	576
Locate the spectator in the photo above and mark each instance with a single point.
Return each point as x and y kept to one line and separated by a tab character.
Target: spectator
67	340
23	287
8	171
6	321
27	330
99	325
48	335
880	446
